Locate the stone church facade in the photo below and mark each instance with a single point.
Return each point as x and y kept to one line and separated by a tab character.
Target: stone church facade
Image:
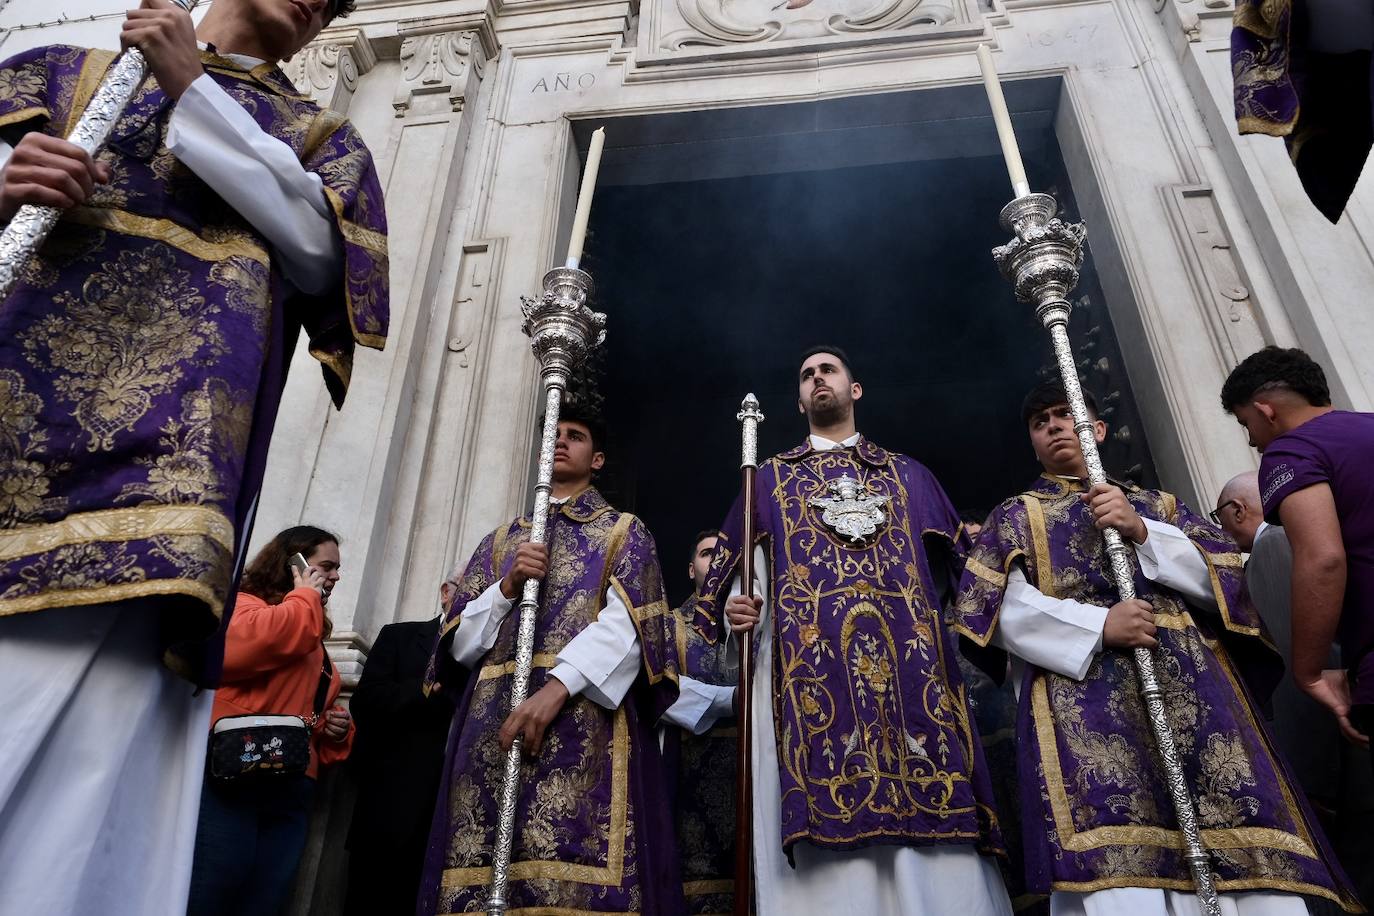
479	111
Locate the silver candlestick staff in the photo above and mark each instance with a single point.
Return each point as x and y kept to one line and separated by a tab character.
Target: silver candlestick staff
562	329
32	223
1042	262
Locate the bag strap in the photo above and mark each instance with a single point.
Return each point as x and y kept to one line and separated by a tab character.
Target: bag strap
322	691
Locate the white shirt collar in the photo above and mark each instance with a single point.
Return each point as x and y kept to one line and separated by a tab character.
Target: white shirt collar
822	444
243	60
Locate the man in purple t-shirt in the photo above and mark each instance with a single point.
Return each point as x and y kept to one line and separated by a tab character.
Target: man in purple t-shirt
1316	481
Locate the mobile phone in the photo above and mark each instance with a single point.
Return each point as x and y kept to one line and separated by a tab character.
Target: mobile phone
299	561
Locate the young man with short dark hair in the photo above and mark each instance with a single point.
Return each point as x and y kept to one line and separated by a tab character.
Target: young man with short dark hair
1099	828
593	823
871	793
143	354
1316	481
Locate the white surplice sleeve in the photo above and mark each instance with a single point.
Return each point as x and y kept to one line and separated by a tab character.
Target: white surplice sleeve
1057	634
1169	558
260	177
699	705
604	659
480	624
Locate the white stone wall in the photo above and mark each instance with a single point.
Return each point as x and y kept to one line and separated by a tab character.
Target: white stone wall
1205	243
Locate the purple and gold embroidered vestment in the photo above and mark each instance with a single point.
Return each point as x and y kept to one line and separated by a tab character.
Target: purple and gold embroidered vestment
1095	810
593	827
704	768
876	744
143	353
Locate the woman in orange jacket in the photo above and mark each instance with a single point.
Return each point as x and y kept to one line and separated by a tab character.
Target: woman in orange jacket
251	833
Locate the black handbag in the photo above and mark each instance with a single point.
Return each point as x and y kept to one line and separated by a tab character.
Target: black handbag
266	744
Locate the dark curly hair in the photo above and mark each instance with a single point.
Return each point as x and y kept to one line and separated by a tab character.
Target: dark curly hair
1051	393
269	575
339	9
1275	367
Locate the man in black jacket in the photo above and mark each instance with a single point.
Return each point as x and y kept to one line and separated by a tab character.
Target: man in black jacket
398	760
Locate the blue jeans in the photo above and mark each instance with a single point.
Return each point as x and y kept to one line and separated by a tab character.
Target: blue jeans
248	844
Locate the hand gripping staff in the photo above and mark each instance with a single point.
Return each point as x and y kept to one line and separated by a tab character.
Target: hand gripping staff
30	226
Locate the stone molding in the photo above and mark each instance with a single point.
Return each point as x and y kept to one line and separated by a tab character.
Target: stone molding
327	69
674	26
444	55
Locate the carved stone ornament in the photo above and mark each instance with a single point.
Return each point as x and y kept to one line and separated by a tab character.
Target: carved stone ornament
328	68
849	511
440	62
731	22
317	69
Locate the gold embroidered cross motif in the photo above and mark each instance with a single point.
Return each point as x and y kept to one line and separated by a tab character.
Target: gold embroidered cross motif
850	511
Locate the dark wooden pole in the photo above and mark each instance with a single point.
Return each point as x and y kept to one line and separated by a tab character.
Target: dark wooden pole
750	417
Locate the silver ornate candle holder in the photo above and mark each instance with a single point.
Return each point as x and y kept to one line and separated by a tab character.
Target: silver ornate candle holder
1042	262
562	330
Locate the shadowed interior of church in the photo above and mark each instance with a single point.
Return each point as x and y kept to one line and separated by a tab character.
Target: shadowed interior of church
867	224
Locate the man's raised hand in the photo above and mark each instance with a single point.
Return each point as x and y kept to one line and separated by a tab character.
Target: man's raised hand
1130	625
531	562
743	612
1111	509
163	31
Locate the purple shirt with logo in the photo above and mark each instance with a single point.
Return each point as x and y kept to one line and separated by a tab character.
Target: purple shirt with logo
1336	448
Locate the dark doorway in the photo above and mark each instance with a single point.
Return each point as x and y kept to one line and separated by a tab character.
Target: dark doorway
714	285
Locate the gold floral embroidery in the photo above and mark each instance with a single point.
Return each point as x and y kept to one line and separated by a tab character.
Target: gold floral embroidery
123	341
246	288
23	480
214	421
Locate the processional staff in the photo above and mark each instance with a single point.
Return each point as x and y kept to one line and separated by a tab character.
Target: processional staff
750	417
1042	262
562	329
30	226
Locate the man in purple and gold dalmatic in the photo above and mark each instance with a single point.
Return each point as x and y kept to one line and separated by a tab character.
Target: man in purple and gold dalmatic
142	358
1100	833
593	826
871	794
704	762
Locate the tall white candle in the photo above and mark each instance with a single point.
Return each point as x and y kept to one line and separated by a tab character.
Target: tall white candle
1017	172
584	197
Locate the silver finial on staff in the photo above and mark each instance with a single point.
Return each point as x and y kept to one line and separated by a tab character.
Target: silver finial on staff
1042	263
562	330
31	225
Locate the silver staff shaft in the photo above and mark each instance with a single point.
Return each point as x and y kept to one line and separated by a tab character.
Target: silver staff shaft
31	225
1042	262
561	329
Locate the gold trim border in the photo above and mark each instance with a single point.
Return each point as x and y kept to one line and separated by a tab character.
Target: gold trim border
136	523
612	875
507	669
167	232
108	594
92	72
25	114
1074	841
708	886
375	341
1225	886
